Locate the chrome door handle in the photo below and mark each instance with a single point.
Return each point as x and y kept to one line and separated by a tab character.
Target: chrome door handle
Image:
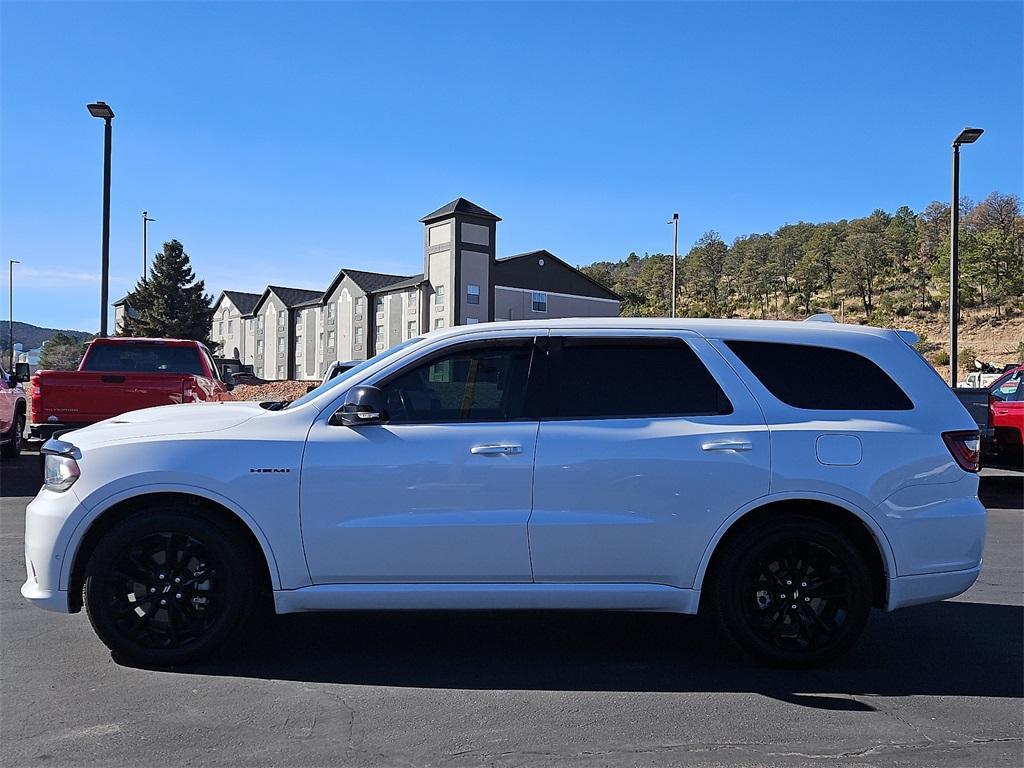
496	450
727	445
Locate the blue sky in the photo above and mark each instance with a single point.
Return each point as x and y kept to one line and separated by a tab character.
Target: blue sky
280	142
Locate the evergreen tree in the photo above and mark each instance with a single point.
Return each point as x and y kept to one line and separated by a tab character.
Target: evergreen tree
171	303
61	352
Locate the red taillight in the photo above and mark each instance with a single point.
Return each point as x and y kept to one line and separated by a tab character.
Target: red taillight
965	447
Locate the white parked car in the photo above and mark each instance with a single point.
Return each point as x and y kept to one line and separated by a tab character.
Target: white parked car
628	465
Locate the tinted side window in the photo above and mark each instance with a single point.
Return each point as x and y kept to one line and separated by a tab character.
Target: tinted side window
1010	389
479	383
821	378
633	378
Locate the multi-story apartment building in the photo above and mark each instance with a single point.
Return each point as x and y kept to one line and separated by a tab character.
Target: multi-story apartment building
296	333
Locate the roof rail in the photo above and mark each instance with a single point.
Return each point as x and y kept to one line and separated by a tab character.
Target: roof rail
821	317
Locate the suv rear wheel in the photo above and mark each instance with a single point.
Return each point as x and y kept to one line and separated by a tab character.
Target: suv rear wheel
793	591
166	586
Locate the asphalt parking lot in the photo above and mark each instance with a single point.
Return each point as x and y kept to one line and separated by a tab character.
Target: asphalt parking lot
936	685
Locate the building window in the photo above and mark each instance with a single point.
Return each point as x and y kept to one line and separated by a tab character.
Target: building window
471	321
540	302
330	339
220	328
380	304
282	318
298	323
439	295
259	347
280	371
359	305
410	329
359	335
331	309
280	344
379	333
412	297
231	326
298	348
439	322
259	323
472	294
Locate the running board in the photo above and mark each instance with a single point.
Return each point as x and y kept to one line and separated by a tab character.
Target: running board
487	597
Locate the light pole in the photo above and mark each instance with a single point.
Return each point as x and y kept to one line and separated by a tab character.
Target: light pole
10	307
966	136
674	221
145	223
101	110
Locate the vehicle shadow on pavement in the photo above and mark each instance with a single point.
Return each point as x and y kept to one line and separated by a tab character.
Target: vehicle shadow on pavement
1002	491
21	476
943	649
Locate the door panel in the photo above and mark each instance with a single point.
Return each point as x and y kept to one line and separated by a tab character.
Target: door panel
638	499
414	503
438	492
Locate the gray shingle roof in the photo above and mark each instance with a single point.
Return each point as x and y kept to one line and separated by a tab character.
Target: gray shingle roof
243	301
459	205
294	296
371	282
409	282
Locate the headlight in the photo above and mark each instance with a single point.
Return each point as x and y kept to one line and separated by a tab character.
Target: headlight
59	472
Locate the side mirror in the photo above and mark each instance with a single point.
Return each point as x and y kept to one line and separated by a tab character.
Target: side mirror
363	405
21	373
229	380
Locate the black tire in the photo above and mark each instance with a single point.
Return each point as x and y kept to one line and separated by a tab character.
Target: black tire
12	448
133	568
791	591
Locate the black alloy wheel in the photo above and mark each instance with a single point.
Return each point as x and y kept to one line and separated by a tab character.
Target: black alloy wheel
12	448
793	592
167	586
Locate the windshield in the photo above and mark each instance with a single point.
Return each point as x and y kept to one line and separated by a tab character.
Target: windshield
351	372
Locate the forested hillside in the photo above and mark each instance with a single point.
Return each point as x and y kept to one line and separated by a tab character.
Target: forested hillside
879	268
32	336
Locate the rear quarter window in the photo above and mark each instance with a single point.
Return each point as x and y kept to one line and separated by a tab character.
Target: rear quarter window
821	378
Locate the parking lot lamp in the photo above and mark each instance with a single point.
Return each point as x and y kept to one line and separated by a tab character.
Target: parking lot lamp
674	221
966	136
101	110
145	225
10	307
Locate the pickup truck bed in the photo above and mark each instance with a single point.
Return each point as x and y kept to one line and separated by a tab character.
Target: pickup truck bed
118	375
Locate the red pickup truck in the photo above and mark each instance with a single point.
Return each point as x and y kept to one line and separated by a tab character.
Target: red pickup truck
118	375
1006	412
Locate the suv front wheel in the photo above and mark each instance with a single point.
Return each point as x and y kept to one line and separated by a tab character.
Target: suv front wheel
793	591
167	586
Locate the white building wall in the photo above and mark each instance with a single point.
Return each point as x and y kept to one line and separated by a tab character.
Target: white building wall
517	304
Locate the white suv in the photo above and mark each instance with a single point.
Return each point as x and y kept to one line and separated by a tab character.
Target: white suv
784	477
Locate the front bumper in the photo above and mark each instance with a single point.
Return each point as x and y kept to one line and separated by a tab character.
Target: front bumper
47	599
49	526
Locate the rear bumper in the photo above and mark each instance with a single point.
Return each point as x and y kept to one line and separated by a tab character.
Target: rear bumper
929	587
48	429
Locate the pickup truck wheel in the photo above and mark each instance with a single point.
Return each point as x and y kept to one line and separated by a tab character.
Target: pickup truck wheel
793	592
12	448
167	586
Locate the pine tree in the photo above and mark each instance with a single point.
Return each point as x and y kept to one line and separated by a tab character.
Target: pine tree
171	303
